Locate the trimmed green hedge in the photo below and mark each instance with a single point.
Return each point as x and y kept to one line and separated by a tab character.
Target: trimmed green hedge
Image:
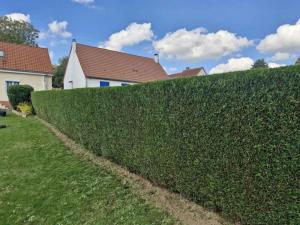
19	94
230	142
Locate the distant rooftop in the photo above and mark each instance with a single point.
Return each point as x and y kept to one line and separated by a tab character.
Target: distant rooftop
107	64
188	72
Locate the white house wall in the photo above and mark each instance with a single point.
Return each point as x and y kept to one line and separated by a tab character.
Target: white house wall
91	82
39	82
74	76
202	73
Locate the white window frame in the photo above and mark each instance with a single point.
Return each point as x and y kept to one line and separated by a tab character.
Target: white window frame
5	83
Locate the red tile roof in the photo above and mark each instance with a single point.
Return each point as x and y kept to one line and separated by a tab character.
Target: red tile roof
186	73
20	57
113	65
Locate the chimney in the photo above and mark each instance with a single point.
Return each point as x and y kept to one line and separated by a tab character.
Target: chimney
156	57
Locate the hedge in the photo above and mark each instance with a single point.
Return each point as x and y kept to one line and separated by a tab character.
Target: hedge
230	142
19	94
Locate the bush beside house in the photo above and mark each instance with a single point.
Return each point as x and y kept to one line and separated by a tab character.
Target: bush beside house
230	142
2	112
19	94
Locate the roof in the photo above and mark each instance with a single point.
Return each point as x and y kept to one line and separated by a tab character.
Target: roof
21	57
298	61
187	73
107	64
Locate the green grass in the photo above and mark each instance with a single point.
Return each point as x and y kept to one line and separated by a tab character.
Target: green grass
42	182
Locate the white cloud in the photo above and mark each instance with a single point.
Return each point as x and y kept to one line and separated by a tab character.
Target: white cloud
275	65
43	35
285	40
198	44
56	29
171	70
233	64
59	29
134	34
51	54
19	17
281	56
84	2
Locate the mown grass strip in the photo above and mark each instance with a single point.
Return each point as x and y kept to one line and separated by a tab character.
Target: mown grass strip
42	182
186	212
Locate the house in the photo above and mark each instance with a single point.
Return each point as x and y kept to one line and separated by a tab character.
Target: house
23	64
97	67
298	62
188	72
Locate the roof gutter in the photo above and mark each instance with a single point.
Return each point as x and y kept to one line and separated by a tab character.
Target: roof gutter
26	72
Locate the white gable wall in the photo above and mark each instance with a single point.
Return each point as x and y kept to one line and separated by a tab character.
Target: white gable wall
202	73
74	76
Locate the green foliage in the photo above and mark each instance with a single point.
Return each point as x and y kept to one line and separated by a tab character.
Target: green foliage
59	73
230	142
19	94
43	183
260	63
25	108
19	32
2	112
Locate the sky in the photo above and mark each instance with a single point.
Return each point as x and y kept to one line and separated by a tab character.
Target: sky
220	35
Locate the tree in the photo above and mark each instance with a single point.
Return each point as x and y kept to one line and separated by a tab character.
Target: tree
59	72
260	63
19	32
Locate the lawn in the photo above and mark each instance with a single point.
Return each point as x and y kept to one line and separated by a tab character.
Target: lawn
42	182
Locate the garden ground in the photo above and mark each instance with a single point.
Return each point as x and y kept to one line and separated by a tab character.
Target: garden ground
42	182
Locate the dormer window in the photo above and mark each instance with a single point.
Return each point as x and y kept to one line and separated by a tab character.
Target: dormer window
2	54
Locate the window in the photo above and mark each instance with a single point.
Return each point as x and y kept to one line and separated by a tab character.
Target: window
124	84
104	84
1	53
11	83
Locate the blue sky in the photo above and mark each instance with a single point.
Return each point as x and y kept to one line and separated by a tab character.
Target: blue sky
220	35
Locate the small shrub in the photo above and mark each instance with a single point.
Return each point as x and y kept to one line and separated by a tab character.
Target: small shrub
25	108
230	142
18	94
2	112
